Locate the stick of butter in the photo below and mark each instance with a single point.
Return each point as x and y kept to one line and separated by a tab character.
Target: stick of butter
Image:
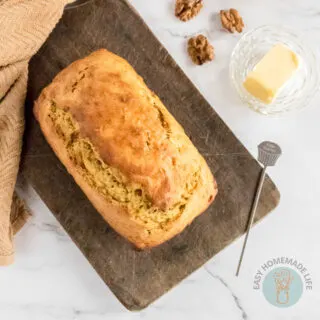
270	74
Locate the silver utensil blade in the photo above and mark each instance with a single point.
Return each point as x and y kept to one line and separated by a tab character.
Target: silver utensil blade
268	154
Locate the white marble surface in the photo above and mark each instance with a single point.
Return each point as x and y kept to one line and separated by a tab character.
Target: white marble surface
51	279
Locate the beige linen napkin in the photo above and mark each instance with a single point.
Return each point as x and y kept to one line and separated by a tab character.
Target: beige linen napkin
24	26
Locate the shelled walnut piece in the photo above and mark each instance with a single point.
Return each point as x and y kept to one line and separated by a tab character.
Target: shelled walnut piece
200	50
187	9
231	20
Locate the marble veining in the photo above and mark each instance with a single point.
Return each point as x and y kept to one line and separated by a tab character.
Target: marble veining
236	299
51	280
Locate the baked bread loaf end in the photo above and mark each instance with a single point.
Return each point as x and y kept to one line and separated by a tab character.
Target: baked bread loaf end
124	149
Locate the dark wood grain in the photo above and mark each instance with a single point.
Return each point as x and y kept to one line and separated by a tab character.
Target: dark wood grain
139	277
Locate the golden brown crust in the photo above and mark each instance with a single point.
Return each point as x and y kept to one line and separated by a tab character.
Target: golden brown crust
133	132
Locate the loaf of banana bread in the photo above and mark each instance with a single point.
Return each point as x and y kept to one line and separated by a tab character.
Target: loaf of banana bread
124	149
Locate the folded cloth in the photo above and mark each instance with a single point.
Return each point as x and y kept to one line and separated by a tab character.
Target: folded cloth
24	26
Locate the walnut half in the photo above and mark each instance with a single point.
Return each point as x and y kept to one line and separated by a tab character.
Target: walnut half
231	20
187	9
200	50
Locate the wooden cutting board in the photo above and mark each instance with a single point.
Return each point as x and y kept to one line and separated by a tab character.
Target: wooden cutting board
139	277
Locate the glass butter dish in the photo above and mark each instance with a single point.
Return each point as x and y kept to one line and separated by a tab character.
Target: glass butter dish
297	92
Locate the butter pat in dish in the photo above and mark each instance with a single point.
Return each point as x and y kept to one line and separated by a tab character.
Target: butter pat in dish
271	73
299	85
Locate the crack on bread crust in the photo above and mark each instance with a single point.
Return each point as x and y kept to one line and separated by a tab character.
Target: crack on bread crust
164	123
109	181
82	75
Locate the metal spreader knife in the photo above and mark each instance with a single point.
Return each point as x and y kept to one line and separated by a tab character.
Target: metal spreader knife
269	152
